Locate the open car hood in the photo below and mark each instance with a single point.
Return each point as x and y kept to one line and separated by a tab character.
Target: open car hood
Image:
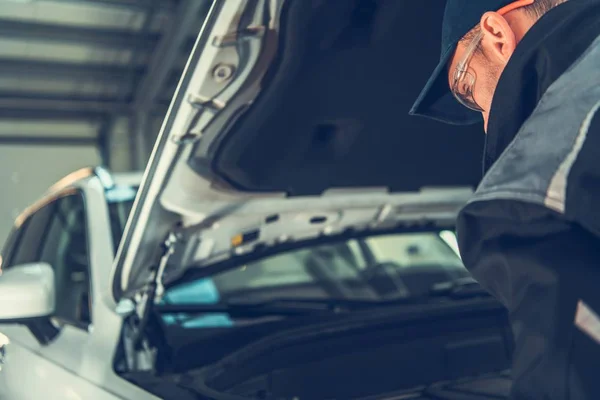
291	123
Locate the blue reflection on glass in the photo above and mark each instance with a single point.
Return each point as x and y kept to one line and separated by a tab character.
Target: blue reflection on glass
202	291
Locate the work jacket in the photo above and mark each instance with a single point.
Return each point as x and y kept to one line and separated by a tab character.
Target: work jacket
531	232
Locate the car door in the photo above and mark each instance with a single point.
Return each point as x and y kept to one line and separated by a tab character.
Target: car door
56	234
7	250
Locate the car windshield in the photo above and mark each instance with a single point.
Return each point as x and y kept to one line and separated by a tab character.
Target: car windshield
120	201
372	268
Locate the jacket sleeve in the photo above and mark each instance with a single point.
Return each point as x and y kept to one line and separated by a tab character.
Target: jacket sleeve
546	271
583	181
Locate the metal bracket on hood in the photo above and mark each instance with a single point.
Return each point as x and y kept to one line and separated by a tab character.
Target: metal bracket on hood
232	38
199	101
169	245
229	67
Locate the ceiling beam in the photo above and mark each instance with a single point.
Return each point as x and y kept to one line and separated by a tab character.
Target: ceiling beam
43	106
98	37
166	5
42	103
60	70
47	140
49	115
188	18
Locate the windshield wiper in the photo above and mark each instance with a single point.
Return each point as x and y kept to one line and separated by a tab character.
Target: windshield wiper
246	309
454	289
459	289
279	306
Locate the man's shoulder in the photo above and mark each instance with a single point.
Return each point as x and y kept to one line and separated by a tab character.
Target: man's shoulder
543	151
534	165
554	160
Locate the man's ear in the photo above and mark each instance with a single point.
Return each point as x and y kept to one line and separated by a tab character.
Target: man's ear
499	40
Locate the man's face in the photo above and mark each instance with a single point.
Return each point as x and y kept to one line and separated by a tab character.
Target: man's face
483	67
484	75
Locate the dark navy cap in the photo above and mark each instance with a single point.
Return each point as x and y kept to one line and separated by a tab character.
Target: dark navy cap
436	101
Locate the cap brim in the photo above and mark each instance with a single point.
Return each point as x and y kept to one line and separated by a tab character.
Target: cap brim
437	102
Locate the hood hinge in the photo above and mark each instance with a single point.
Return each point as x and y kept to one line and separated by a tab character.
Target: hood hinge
139	353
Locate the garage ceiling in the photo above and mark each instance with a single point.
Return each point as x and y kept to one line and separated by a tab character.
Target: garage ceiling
81	71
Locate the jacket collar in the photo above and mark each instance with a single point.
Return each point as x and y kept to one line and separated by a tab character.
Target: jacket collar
550	47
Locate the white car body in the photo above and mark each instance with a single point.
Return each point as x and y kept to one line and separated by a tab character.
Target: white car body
77	364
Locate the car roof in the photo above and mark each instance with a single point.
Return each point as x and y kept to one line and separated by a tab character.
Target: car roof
77	179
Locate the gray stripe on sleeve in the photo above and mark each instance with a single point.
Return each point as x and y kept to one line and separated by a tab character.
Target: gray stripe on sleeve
557	190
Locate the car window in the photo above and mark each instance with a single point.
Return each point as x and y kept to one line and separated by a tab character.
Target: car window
415	260
9	246
35	228
66	250
118	214
120	202
413	250
24	242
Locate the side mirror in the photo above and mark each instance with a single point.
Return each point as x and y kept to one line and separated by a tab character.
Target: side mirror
27	292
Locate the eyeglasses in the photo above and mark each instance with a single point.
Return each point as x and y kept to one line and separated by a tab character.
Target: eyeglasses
464	77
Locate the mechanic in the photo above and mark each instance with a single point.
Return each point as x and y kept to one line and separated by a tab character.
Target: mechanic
531	233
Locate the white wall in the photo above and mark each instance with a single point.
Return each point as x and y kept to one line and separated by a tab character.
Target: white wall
26	171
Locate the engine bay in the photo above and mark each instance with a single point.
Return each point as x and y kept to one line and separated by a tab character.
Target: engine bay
448	350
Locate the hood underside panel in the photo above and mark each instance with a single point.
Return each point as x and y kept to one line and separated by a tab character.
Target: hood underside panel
334	109
315	97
